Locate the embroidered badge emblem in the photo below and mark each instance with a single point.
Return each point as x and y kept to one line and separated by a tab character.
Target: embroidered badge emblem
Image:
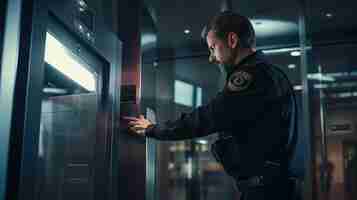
239	81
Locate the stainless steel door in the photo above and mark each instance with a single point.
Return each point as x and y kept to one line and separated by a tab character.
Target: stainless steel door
72	119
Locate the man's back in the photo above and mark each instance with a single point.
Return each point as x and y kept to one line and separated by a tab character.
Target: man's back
262	134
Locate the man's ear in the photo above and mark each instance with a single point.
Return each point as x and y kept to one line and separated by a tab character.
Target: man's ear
233	40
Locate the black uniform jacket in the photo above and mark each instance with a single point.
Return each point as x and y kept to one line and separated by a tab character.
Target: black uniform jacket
254	107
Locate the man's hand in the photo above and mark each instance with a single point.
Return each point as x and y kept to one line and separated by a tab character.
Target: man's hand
138	125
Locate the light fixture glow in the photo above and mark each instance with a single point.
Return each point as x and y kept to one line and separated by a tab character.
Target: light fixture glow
329	15
59	57
320	77
187	31
202	141
295	53
267	28
291	66
54	90
189	168
281	50
298	87
82	3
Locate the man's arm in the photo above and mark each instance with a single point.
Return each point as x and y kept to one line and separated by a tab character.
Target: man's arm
244	98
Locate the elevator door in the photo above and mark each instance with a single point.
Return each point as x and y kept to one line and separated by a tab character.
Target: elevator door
70	125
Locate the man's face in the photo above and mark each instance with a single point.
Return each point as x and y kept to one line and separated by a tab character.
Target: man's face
220	51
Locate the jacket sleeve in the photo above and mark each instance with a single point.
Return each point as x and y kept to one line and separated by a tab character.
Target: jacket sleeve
242	100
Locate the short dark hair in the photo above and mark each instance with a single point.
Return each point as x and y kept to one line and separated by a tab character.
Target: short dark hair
226	22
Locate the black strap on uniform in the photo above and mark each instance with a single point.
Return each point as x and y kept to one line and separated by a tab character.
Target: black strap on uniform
293	137
293	134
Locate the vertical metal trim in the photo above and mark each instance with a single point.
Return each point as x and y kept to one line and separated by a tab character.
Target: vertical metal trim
226	5
114	93
151	169
9	62
308	181
323	137
19	127
28	91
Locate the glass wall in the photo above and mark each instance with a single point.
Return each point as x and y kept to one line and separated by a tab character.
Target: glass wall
187	169
333	97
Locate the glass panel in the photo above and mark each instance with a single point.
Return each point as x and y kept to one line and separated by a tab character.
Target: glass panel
68	127
179	170
198	96
183	93
334	101
277	30
333	97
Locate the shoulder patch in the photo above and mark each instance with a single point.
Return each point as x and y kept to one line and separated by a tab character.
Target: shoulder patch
239	81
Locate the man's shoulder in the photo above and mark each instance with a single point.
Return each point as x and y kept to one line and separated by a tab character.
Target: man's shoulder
248	76
259	70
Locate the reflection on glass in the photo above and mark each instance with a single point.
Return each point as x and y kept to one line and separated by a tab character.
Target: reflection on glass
194	174
198	96
66	146
336	111
183	93
63	60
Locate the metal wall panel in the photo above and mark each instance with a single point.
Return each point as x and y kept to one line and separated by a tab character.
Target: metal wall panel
22	85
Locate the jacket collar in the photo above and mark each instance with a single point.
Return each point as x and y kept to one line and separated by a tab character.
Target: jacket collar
251	60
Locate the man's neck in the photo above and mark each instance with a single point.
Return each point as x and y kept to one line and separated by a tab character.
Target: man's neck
243	53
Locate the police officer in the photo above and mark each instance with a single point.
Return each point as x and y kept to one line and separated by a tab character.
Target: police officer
252	113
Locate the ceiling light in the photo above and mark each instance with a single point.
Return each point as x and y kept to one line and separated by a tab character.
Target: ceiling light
80	27
187	31
82	3
155	64
281	50
320	77
298	87
202	141
291	66
54	90
267	28
329	15
295	53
